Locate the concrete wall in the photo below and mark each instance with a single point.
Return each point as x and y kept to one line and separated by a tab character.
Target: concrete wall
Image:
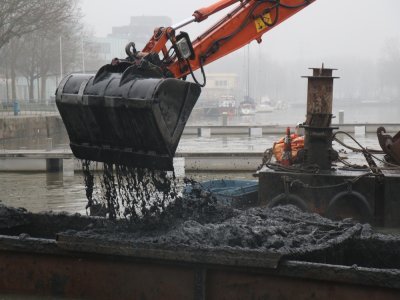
47	126
30	126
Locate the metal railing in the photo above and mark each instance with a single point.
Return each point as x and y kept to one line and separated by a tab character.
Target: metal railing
25	108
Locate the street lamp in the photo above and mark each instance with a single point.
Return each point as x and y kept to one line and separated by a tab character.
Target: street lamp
61	60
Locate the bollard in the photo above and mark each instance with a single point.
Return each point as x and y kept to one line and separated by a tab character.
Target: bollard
255	132
206	132
359	130
68	167
224	119
49	144
54	165
341	116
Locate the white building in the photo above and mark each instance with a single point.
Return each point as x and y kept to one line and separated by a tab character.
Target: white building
104	49
219	87
140	29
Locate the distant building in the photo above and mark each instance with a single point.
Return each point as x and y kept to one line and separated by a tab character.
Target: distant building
140	29
105	48
219	86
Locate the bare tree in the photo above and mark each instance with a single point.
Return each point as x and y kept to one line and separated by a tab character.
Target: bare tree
33	52
40	55
8	61
20	17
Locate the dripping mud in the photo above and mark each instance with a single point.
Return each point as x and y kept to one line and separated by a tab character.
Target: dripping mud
129	193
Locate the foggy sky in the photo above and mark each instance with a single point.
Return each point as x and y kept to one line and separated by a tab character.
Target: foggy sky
327	28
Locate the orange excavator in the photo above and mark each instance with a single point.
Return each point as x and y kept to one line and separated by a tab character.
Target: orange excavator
133	111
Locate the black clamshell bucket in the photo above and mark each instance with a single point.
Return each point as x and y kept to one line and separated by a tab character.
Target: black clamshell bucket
122	116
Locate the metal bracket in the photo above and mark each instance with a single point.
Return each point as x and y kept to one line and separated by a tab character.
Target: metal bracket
390	145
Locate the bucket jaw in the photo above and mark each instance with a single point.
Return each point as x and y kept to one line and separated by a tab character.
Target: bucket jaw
122	116
390	145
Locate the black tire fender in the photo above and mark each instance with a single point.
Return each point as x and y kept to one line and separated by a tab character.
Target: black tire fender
357	198
285	199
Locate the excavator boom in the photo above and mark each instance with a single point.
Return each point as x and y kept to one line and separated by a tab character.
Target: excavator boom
133	111
247	22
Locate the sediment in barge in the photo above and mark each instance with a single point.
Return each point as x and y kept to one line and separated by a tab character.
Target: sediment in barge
198	250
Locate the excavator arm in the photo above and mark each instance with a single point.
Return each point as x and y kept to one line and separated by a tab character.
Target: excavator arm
248	21
132	112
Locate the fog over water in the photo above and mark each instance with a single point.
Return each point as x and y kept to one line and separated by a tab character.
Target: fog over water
326	28
361	38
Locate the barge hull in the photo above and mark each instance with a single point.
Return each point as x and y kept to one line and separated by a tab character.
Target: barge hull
42	268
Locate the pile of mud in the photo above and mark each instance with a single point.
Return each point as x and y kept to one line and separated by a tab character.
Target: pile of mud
282	229
194	225
11	217
201	223
149	211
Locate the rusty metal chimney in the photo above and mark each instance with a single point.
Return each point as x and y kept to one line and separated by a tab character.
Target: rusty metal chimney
320	97
318	131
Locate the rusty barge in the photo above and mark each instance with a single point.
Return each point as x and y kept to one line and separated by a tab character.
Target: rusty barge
47	256
324	181
39	259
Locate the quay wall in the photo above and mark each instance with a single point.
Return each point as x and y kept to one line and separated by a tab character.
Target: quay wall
64	161
48	125
31	126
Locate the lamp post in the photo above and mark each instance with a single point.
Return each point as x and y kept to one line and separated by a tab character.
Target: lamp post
83	56
61	60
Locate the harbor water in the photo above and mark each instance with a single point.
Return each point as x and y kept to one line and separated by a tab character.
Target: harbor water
60	192
66	192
